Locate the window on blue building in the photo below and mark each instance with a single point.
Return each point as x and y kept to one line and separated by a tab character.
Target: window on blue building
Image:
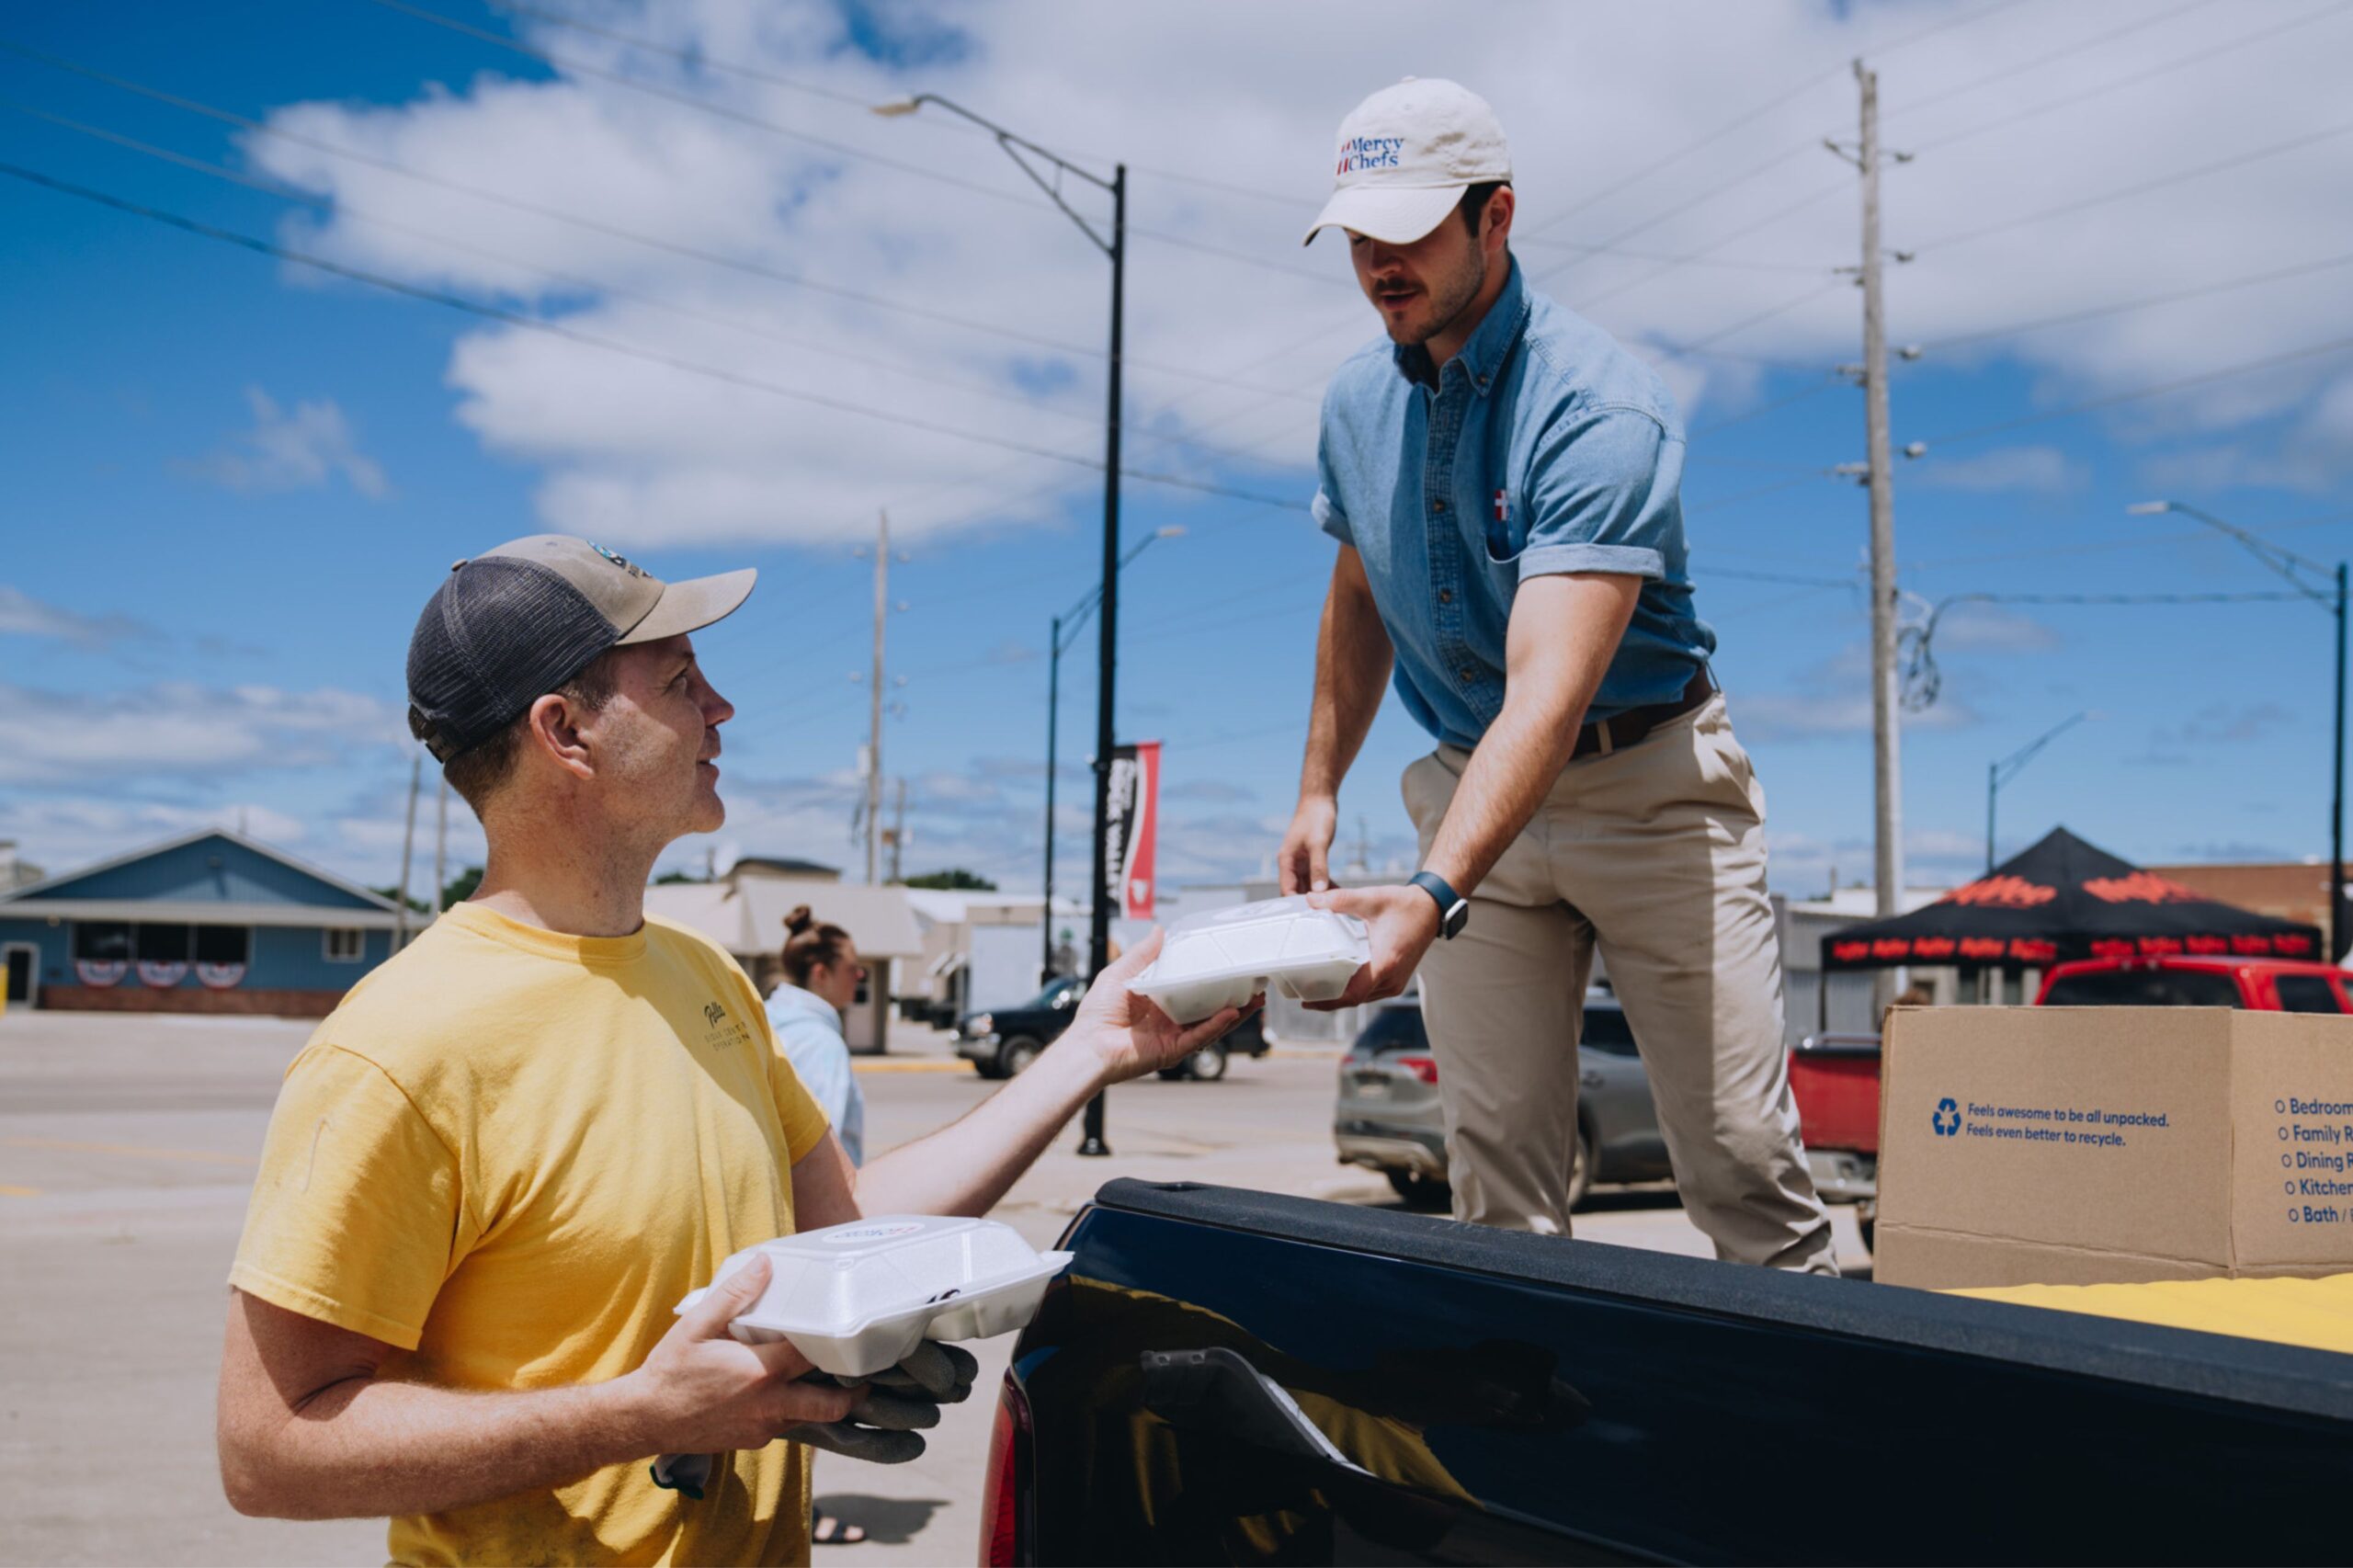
101	940
223	944
343	944
162	944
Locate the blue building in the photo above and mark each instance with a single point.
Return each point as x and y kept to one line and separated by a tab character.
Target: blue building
210	923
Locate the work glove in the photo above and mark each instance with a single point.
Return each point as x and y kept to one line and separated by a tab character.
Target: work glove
886	1426
900	1405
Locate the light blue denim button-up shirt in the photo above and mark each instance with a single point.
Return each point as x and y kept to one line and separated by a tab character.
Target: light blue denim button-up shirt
1544	447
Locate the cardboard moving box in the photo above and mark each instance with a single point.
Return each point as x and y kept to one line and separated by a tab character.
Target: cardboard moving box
2086	1145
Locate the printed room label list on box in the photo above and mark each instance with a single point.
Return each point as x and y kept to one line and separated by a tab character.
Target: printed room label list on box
2082	1145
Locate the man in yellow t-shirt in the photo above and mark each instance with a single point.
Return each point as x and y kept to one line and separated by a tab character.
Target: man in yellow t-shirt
501	1162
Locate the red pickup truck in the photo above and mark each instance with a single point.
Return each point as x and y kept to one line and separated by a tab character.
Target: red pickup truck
1835	1076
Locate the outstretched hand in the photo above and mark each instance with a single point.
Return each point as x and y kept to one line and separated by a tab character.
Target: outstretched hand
1401	920
1131	1035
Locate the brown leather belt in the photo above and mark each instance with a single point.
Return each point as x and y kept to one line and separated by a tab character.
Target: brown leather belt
1606	735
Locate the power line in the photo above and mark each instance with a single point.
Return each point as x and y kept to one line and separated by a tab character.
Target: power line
2048	58
1714	502
2139	542
333	206
1741	574
706	61
2095	312
1728	263
2085	203
693	101
613	230
2334	346
591	340
1751	116
705	106
1923	681
1831	380
2196	57
1777	215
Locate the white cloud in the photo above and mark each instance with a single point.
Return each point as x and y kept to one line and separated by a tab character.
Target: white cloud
175	729
305	448
637	453
21	615
63	832
2038	471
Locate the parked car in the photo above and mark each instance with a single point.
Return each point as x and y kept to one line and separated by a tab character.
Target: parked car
1835	1076
2266	985
1224	1376
1388	1117
1002	1041
1835	1079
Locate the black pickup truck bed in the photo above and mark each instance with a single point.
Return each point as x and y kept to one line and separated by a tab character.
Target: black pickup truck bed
1231	1376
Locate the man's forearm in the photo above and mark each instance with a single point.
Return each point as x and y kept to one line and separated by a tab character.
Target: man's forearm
370	1446
1509	774
968	1165
1352	660
1564	631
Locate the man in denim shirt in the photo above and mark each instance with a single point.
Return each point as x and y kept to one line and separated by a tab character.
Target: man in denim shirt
1502	479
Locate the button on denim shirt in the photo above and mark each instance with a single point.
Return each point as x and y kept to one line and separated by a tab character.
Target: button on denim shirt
1544	447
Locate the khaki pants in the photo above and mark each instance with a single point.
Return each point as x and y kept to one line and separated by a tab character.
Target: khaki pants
1656	856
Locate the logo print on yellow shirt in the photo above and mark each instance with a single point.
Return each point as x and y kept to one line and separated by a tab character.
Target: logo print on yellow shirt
723	1030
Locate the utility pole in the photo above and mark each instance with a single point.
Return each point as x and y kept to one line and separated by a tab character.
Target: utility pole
1887	773
408	849
874	698
440	845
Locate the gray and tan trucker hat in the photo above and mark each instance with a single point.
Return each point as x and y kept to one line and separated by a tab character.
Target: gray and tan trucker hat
505	628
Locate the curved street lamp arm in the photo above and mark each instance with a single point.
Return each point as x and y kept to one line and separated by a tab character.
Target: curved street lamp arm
2286	563
1014	147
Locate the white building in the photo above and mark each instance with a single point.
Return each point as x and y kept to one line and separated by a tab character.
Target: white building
745	914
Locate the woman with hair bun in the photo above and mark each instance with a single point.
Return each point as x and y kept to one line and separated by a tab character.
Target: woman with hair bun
822	975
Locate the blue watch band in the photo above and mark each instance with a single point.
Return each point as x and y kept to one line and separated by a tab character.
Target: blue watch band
1453	909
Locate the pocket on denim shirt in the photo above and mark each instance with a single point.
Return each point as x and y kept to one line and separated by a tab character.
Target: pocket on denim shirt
1506	537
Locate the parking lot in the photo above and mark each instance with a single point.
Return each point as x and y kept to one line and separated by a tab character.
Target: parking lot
126	1149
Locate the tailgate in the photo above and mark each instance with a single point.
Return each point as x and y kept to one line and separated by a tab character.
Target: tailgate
1838	1094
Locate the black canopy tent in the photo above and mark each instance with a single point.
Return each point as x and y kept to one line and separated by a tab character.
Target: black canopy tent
2060	901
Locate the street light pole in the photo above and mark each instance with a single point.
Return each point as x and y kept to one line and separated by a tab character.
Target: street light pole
1073	617
2000	773
1022	151
2289	564
1099	935
1053	717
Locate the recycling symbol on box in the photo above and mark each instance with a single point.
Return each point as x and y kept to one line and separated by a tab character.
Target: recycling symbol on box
1947	1120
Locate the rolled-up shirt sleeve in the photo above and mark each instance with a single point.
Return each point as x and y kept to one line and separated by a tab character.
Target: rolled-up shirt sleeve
1603	495
1325	507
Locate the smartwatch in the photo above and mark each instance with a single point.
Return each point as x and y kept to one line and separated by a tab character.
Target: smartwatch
1453	909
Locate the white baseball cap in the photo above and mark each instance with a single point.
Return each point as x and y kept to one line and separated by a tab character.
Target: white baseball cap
1407	153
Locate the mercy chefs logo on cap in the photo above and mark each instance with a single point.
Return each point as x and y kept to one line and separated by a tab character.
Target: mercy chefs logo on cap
1407	153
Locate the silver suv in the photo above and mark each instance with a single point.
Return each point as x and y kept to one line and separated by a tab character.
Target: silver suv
1389	1117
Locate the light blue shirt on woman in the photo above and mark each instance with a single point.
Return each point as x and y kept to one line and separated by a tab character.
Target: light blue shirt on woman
810	1031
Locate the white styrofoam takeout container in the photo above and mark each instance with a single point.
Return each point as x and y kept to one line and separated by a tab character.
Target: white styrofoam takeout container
858	1298
1222	958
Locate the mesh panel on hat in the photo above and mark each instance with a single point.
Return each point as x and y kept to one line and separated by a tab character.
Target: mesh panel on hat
497	634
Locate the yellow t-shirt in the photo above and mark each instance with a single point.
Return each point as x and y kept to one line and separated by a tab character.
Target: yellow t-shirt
508	1154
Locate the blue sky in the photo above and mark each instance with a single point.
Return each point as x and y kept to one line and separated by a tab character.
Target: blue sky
232	480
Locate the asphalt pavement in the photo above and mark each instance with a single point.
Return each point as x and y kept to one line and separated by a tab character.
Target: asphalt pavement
127	1149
